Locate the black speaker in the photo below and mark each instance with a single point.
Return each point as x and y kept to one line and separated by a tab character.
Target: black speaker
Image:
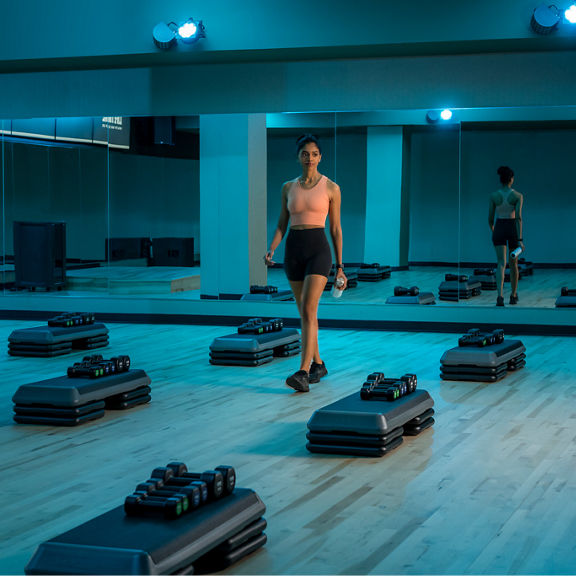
127	248
173	252
40	255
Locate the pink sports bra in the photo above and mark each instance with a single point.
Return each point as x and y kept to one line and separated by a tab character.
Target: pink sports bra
309	206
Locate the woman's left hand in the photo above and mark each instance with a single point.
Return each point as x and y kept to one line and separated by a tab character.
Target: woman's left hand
340	274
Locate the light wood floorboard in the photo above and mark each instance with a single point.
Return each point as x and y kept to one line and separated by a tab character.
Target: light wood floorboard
489	490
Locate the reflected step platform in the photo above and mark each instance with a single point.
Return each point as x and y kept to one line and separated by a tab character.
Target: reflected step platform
114	543
373	272
47	341
424	298
356	427
452	290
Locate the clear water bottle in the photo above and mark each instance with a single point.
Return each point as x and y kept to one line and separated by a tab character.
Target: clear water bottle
338	287
515	253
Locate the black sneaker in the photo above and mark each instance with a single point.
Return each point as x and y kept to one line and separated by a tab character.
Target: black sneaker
500	301
513	299
317	371
299	381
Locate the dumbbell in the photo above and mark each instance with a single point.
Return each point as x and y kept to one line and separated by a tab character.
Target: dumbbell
155	487
85	370
565	291
221	481
251	326
456	278
484	272
403	291
277	324
141	505
166	476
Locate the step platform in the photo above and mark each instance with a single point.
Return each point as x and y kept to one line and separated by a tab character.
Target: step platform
486	277
483	363
356	427
422	298
281	295
373	272
254	349
452	290
566	301
67	401
114	543
48	341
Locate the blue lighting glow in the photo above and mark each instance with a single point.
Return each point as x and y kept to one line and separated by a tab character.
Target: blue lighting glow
187	30
570	14
446	114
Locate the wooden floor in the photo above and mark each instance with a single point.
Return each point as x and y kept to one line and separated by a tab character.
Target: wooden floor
489	490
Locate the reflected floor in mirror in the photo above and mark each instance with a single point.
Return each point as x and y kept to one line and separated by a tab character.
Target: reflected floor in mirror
488	490
539	290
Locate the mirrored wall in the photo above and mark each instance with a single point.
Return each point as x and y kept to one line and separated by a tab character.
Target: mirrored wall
119	199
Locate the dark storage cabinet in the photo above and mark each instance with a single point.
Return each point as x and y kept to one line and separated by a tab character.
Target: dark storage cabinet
40	255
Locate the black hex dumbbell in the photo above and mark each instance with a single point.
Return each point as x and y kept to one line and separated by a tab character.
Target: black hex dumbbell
85	370
403	291
221	481
156	487
456	278
143	505
166	475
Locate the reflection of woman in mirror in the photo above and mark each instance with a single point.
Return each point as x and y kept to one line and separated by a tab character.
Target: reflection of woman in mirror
505	220
306	201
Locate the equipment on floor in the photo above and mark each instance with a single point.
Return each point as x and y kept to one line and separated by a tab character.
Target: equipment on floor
257	342
64	333
162	534
567	298
458	287
412	295
373	421
482	356
84	394
267	294
373	272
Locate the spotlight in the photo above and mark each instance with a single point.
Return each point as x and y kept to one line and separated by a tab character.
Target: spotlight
191	30
570	14
545	19
165	35
434	116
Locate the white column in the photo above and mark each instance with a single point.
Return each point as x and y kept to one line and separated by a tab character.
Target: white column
232	203
383	231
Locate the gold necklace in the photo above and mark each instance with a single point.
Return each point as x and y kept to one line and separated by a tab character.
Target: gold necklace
309	186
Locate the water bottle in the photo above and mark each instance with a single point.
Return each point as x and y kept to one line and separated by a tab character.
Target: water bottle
338	287
515	253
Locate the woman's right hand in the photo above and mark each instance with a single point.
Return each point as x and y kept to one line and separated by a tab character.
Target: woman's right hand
268	258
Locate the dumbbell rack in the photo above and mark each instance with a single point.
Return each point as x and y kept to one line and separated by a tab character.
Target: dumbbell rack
48	341
65	401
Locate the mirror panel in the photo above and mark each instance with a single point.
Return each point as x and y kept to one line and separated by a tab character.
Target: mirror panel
55	211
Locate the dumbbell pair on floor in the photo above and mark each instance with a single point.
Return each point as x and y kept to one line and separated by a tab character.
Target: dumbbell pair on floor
172	491
403	291
378	387
96	367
